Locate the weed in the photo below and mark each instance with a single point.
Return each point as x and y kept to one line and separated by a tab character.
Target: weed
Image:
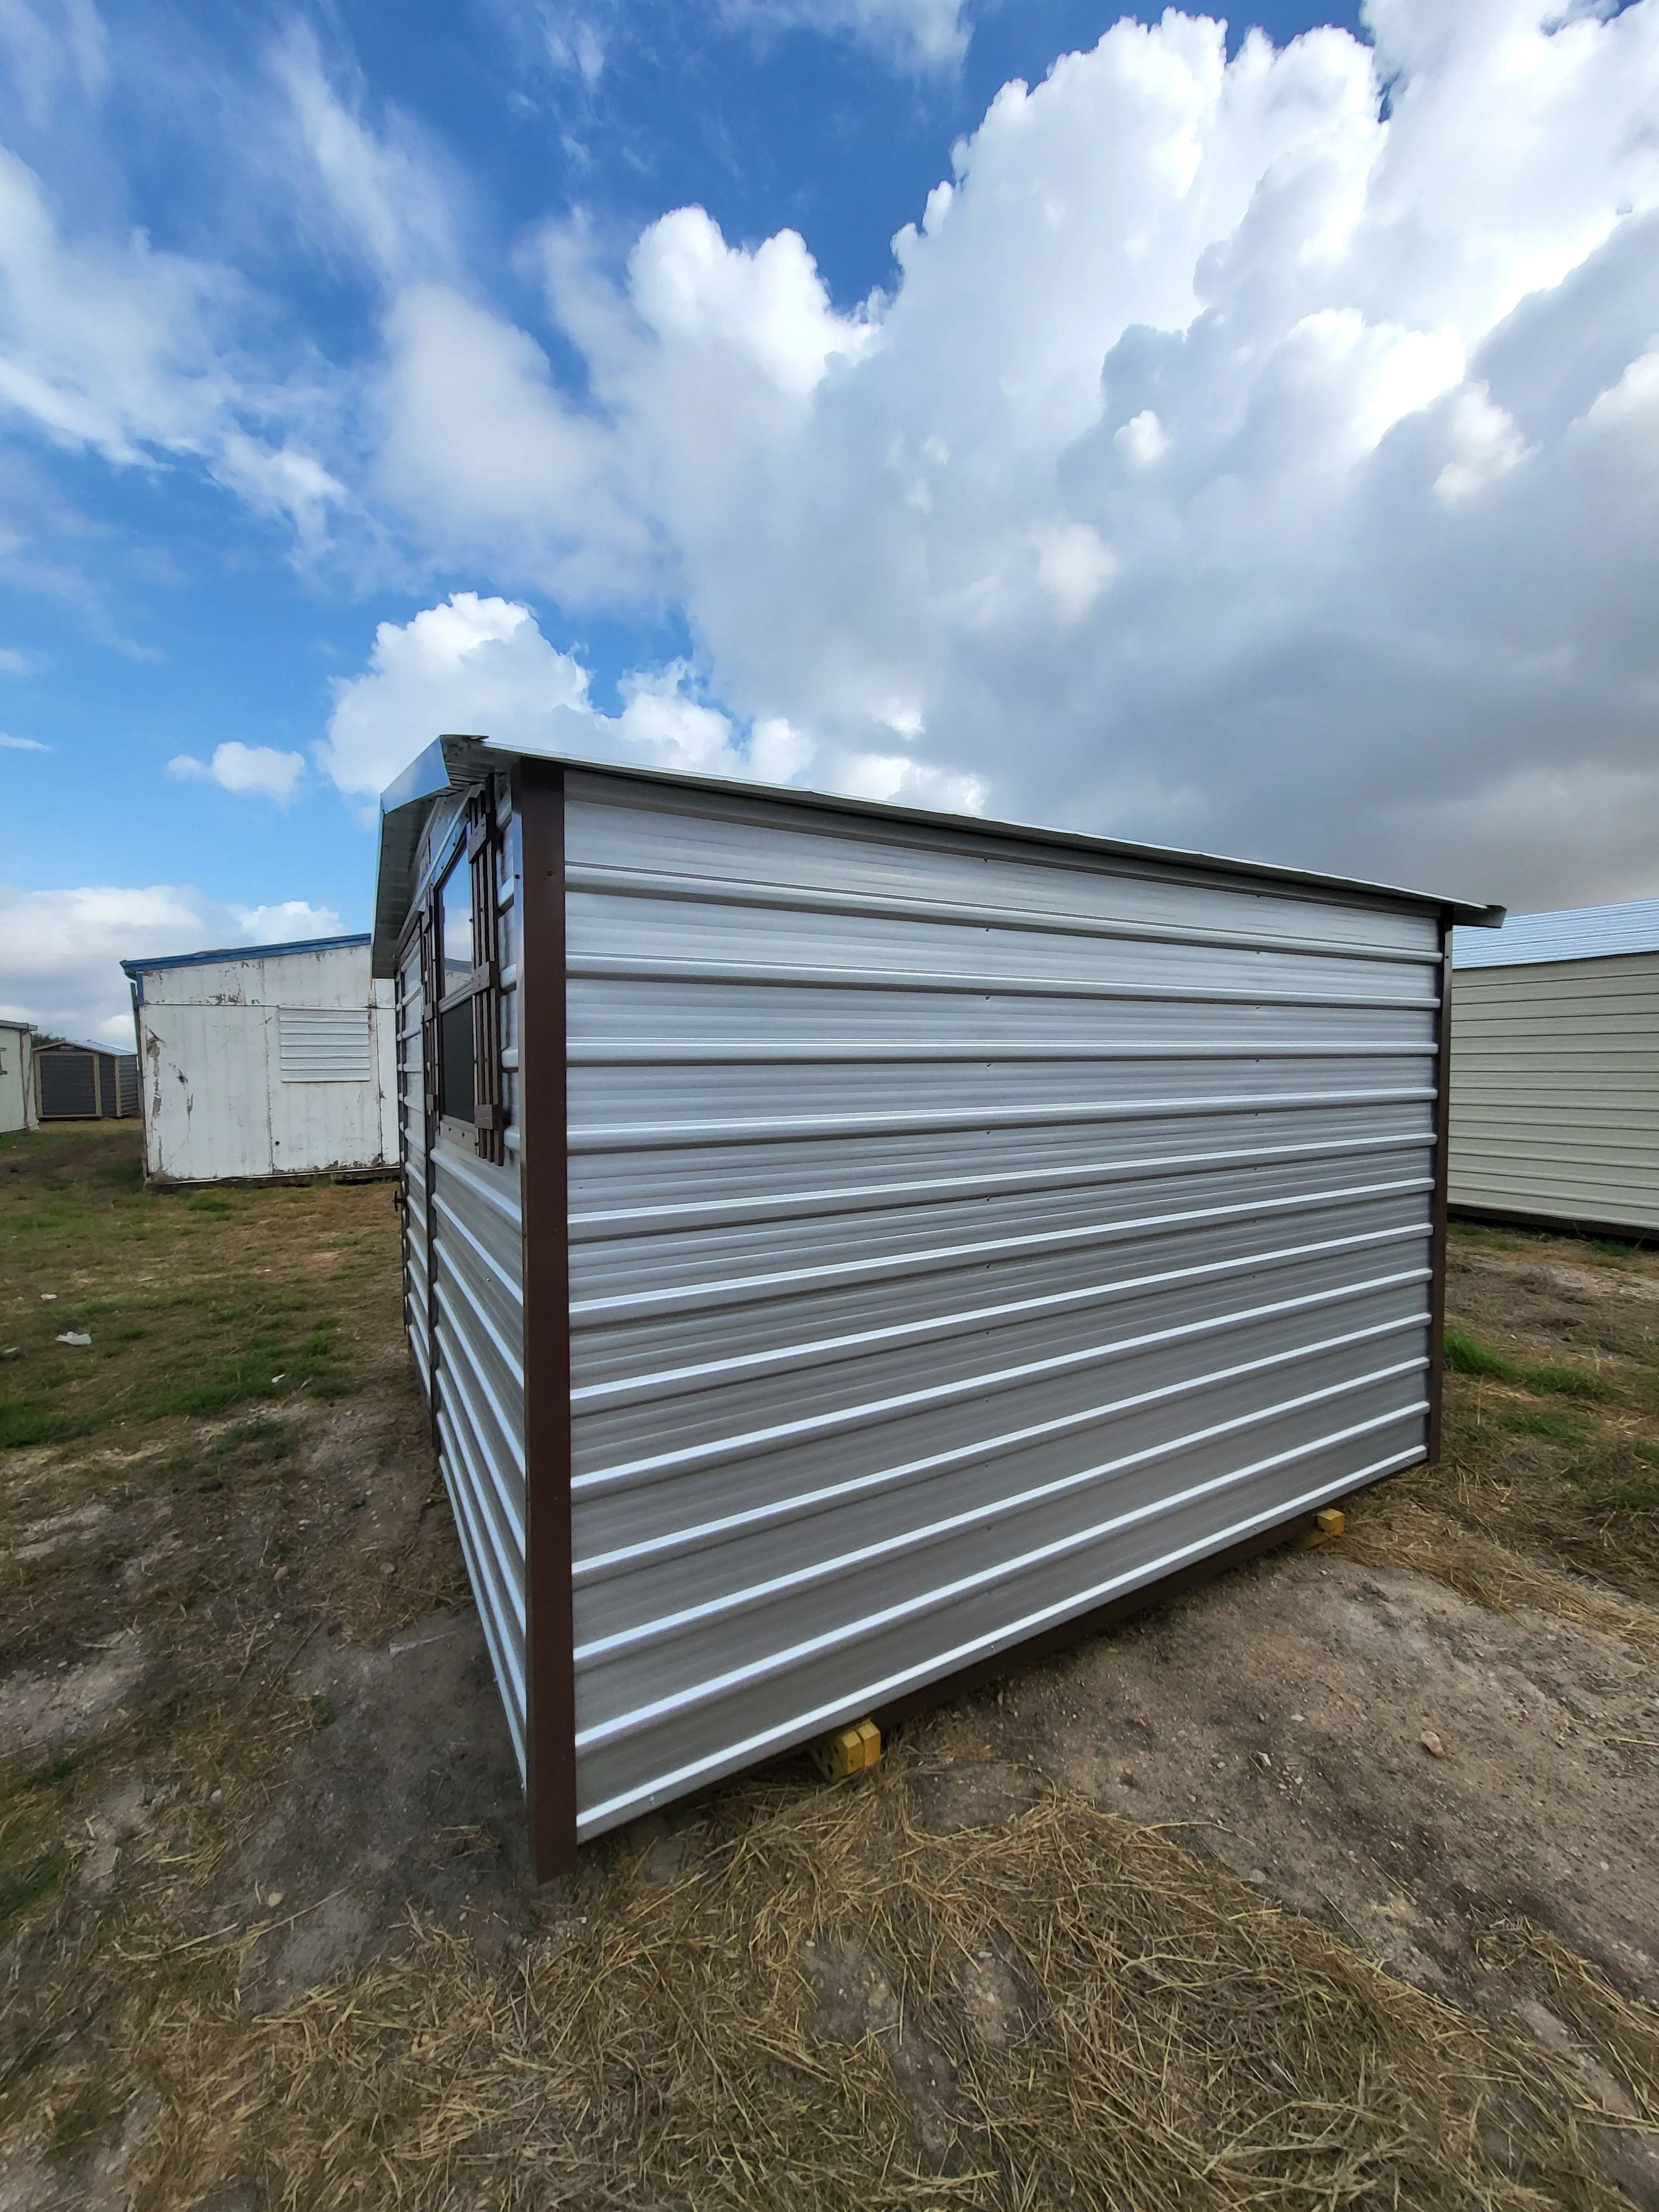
25	1886
26	1421
277	1438
1467	1355
1464	1356
1523	1421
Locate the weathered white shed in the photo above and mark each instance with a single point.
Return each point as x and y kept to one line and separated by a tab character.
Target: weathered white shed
845	1249
1555	1069
265	1061
17	1076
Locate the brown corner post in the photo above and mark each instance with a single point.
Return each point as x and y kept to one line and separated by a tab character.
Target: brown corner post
550	1673
1442	1175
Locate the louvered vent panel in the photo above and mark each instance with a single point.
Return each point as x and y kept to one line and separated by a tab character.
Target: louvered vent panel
324	1045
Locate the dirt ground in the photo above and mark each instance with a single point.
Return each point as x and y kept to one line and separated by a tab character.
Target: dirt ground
1330	1884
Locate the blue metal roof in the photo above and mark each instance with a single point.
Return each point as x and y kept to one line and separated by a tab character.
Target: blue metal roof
240	952
1573	932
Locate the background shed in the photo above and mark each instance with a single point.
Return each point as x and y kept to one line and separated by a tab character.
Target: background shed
82	1082
17	1076
264	1060
847	1247
1555	1069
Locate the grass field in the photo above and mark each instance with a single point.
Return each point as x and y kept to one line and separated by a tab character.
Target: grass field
265	1938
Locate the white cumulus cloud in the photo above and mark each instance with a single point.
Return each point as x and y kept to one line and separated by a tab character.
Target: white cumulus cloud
480	667
258	771
60	950
1240	458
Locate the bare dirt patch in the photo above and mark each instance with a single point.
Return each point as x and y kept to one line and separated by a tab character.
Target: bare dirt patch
1327	1886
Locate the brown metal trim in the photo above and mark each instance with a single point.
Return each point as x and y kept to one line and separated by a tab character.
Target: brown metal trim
550	1668
1048	1641
1442	1169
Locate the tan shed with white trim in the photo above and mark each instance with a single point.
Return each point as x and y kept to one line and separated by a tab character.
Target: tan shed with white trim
1555	1069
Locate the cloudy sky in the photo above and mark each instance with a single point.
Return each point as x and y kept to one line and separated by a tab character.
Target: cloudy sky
1244	436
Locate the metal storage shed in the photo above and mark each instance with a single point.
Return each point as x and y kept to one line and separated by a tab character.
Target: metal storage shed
265	1061
1555	1069
82	1082
17	1075
846	1245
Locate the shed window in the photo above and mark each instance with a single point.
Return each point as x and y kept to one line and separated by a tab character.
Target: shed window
456	900
463	936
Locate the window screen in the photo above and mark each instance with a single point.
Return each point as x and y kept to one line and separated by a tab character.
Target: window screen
455	1092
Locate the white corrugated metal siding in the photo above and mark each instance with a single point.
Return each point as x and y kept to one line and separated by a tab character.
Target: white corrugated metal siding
463	1276
962	1234
1555	1092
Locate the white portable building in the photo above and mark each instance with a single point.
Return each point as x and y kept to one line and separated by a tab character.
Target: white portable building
265	1061
845	1248
1555	1069
17	1076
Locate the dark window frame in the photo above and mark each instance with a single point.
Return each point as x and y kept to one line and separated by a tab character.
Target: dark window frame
476	847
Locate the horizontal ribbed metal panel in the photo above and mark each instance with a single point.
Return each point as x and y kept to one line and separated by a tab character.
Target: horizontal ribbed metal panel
1555	1092
1578	933
477	1306
464	1294
411	1153
962	1234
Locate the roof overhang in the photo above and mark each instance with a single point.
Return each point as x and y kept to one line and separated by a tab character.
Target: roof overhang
449	763
452	763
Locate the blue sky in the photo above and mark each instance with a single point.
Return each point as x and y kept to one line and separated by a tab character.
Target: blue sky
1095	505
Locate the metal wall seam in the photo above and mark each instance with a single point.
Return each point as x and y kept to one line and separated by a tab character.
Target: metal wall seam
702	1212
600	1137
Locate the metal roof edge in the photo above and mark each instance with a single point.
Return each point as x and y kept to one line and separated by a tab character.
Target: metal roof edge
472	756
1621	930
135	968
76	1044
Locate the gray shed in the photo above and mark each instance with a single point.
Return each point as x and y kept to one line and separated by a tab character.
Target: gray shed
847	1247
1555	1070
83	1082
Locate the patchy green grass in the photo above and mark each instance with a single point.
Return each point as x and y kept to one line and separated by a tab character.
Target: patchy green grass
196	1303
1467	1355
24	1886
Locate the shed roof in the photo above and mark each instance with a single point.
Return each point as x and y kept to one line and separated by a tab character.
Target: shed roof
1571	932
240	952
452	762
46	1043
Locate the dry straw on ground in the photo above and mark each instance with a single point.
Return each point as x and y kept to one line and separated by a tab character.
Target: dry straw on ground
841	2007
